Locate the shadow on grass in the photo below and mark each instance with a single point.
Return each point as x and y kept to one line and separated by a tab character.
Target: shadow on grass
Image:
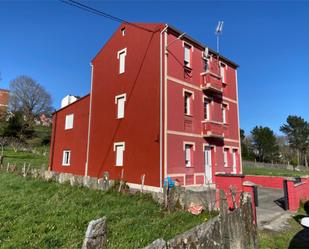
301	239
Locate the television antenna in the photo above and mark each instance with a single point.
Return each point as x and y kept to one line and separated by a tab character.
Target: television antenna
218	33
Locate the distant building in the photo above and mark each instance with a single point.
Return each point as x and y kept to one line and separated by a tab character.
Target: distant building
161	105
4	101
69	99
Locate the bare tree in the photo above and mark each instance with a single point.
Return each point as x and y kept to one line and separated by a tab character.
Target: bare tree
16	144
3	142
29	97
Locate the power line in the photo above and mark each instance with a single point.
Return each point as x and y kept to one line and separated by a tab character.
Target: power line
101	13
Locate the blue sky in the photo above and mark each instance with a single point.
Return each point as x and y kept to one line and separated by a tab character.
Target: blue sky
54	43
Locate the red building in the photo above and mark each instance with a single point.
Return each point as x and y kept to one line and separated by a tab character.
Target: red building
4	101
161	104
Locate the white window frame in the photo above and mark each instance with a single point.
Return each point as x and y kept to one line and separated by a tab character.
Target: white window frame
120	53
117	98
189	157
123	31
68	161
187	61
234	155
225	157
224	113
207	108
189	106
223	68
119	162
69	121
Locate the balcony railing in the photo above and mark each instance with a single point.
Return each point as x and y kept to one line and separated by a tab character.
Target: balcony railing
211	82
213	129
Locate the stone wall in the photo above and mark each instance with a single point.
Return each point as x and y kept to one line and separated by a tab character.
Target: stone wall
230	230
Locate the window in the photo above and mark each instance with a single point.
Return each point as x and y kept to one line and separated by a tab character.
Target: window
206	108
234	157
119	149
121	55
223	72
188	103
69	121
225	157
120	101
187	55
224	107
66	157
123	31
188	154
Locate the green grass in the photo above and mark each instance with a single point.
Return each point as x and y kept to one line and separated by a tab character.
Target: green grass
37	214
273	172
20	157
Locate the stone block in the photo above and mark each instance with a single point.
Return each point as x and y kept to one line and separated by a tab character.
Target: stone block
96	234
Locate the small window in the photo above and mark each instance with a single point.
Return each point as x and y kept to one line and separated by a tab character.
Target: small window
120	101
223	72
119	149
69	121
234	157
123	31
187	55
66	157
224	108
121	55
188	155
206	108
225	157
188	103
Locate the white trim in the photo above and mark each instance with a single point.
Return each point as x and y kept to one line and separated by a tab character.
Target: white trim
179	133
89	122
189	143
63	158
124	95
124	52
165	105
117	98
161	106
184	91
145	187
69	121
122	144
206	98
227	157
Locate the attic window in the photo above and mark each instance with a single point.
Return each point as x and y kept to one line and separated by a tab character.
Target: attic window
123	31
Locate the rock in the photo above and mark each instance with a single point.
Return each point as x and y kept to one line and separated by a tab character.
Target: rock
157	244
76	181
65	177
96	234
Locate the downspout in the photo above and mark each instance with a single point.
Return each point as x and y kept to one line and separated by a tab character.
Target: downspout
239	140
161	107
89	122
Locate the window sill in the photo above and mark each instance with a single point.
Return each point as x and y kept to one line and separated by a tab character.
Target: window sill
118	165
66	165
187	68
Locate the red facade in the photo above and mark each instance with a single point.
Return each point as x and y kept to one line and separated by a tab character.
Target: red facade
160	105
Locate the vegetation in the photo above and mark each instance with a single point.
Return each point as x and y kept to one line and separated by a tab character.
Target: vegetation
264	146
272	172
37	214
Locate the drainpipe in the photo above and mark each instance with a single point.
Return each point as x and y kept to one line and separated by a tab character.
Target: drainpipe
161	107
54	126
89	123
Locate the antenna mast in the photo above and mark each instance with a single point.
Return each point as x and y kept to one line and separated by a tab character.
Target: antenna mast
218	33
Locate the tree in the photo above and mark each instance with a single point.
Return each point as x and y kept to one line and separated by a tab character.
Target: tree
29	97
264	144
17	127
297	131
246	152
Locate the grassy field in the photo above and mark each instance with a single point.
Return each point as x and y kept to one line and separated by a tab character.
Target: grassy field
37	214
272	172
20	157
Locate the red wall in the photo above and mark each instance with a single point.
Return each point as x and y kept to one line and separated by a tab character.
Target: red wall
139	129
74	139
296	193
182	128
266	181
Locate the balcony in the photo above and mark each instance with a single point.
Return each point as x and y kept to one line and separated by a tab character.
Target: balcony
213	129
211	82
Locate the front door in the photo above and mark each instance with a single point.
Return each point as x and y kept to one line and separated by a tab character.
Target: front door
208	169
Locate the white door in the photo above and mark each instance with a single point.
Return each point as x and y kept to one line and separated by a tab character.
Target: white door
208	169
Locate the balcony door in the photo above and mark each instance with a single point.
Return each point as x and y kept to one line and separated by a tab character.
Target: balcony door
208	164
